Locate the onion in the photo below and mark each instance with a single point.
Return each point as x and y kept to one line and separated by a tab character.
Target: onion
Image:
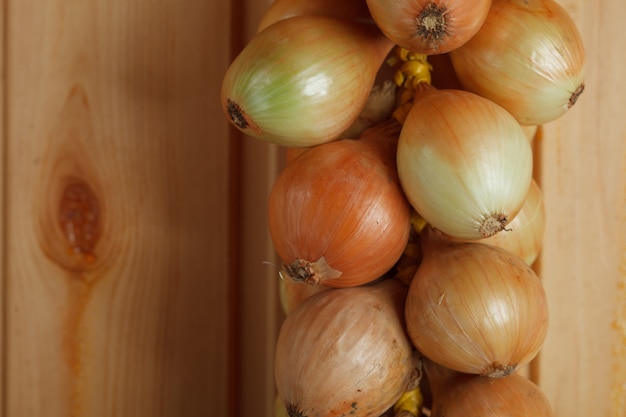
429	26
293	293
404	270
279	408
303	80
293	153
284	9
345	352
463	395
443	76
475	308
528	57
524	234
337	213
378	108
530	131
464	163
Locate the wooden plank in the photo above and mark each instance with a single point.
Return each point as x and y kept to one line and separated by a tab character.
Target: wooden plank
260	311
117	228
582	367
3	203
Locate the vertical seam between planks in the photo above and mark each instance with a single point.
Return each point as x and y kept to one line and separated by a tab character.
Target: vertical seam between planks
235	212
3	209
534	367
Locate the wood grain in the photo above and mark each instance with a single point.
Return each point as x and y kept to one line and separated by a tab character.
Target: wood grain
117	250
581	160
117	219
259	307
3	202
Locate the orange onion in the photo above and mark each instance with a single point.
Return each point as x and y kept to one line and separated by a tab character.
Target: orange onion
463	395
464	162
337	213
303	80
524	234
345	352
528	57
429	26
443	76
475	308
284	9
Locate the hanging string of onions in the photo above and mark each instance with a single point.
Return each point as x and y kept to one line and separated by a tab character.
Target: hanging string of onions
406	218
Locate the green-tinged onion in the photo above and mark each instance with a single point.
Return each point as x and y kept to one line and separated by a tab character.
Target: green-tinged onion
303	80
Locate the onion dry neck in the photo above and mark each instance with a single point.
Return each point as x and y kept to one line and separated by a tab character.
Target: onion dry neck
309	272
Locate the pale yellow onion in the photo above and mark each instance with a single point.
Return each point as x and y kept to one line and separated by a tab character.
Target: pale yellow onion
380	104
528	57
462	395
284	9
345	352
429	26
524	234
475	308
303	80
378	108
464	163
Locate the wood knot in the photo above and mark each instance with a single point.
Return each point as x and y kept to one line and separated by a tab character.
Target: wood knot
79	219
72	226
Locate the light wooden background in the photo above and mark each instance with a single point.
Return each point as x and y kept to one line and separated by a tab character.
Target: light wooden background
155	301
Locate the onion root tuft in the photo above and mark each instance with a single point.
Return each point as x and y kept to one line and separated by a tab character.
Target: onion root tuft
432	25
493	224
497	370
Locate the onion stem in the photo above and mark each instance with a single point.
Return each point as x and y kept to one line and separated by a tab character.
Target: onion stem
413	71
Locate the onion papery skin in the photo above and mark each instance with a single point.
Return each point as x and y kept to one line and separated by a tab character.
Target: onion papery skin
464	395
344	9
475	308
528	57
464	163
338	209
345	352
411	23
524	234
303	80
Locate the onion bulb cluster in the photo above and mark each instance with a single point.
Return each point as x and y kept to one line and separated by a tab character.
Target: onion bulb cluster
406	219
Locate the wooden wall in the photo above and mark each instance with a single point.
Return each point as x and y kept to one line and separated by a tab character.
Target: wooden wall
134	235
116	209
581	163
